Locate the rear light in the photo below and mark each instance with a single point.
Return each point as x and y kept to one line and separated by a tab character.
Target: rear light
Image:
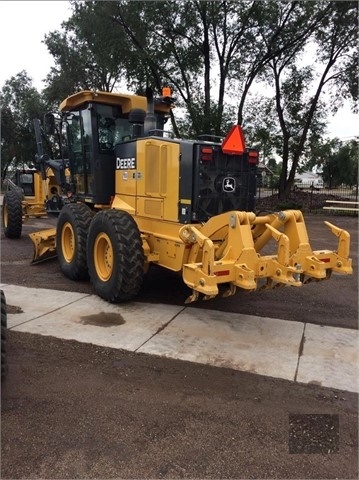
253	156
206	154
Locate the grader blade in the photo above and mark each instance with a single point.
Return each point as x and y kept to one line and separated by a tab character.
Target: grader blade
44	243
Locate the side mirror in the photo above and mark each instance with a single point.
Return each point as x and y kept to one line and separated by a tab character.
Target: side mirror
49	123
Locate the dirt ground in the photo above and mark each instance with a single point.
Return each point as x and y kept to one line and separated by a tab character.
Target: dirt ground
78	411
72	410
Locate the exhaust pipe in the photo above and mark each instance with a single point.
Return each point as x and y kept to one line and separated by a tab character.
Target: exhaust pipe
150	119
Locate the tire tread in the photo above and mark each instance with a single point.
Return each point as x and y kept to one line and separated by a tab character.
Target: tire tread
12	202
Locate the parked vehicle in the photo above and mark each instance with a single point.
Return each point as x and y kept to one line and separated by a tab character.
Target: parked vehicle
35	192
140	197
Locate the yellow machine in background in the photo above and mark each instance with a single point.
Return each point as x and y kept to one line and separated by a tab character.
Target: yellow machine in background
139	197
26	197
34	192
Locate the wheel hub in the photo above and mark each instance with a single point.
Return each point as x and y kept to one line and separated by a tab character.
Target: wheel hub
103	256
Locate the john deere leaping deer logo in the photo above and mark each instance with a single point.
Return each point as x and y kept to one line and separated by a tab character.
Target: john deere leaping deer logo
229	184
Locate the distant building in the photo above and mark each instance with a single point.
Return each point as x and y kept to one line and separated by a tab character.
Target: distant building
266	175
307	180
262	168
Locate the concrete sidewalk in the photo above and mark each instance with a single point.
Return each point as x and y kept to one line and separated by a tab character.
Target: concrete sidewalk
295	351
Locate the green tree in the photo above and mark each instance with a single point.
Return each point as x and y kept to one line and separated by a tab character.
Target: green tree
214	54
88	52
282	30
21	103
144	44
338	162
210	52
299	90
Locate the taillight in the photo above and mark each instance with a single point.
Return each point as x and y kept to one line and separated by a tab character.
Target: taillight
253	156
206	154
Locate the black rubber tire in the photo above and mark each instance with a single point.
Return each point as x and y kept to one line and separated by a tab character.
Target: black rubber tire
115	256
12	214
71	234
3	336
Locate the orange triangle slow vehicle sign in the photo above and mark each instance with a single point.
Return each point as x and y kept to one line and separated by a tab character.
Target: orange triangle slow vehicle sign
234	143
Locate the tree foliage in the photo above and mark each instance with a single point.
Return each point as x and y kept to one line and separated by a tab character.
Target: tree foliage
87	52
298	106
21	103
337	161
227	61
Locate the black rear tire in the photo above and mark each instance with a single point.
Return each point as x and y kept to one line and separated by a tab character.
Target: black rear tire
3	336
71	234
115	256
12	214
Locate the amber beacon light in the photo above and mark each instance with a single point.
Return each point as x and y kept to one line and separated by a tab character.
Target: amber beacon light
166	92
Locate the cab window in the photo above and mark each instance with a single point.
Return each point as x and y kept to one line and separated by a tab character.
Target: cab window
112	128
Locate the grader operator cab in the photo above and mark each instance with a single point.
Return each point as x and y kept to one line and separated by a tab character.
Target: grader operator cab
139	197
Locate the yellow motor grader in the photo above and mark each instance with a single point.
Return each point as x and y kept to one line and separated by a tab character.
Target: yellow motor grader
138	197
35	192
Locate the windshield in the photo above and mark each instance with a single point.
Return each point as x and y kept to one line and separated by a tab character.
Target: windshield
112	128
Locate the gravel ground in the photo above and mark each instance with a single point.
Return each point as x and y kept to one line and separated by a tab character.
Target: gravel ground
77	411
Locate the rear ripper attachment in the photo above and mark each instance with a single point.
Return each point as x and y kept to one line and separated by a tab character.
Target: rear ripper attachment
226	250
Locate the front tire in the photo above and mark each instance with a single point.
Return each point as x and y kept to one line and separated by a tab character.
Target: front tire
12	214
71	233
115	256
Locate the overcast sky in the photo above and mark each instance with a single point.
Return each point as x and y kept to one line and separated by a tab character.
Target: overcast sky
22	29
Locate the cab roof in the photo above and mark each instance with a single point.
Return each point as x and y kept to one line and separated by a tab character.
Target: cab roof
125	101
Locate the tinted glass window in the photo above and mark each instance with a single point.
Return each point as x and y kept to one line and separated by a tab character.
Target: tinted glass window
112	128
